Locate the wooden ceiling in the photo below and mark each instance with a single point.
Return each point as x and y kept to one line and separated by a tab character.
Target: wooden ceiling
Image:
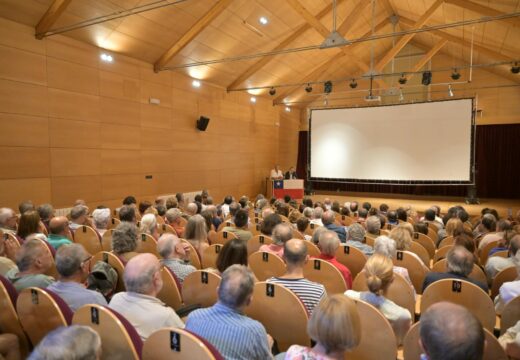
200	30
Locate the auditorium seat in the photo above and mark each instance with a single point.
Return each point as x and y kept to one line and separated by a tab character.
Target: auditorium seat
510	314
148	244
194	255
484	252
112	224
298	235
505	275
344	220
441	253
399	291
266	265
420	251
225	223
111	259
210	255
254	244
212	236
352	258
89	238
426	242
106	240
166	229
310	229
312	249
281	312
328	275
463	293
9	321
432	234
415	267
170	293
178	344
41	311
255	227
378	340
449	240
160	220
224	236
200	288
502	253
119	338
476	274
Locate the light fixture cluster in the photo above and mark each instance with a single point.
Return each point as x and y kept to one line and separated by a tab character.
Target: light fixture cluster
195	83
106	58
263	20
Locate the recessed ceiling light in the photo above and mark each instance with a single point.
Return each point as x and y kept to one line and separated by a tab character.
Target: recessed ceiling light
106	57
253	99
263	20
195	83
287	109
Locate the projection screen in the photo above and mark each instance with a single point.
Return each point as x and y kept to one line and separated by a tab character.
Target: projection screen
421	143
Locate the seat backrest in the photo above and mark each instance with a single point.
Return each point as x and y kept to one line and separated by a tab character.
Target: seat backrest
9	322
200	288
501	253
415	268
254	244
210	255
510	314
325	273
224	236
426	242
399	291
352	258
431	232
476	274
89	238
112	260
225	223
255	227
441	253
271	305
312	249
41	311
194	255
178	344
484	253
377	336
448	240
170	293
119	339
266	265
310	229
505	275
344	220
418	249
166	228
112	224
463	293
106	240
148	244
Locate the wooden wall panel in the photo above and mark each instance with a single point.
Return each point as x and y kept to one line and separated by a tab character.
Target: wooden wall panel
23	66
122	112
66	190
24	162
120	137
69	76
14	191
21	98
75	162
73	105
66	133
23	130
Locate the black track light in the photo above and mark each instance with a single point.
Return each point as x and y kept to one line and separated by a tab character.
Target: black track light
402	80
353	84
308	88
327	87
272	91
427	78
455	75
515	69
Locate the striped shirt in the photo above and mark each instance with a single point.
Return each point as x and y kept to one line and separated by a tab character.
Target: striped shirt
310	293
233	334
180	268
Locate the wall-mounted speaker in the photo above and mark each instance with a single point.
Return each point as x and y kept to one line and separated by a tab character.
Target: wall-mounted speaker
202	123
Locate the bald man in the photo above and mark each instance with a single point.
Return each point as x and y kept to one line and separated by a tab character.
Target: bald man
59	232
451	332
139	304
176	255
191	209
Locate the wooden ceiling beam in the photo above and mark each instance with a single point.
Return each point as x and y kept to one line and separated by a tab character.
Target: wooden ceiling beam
353	17
390	9
194	30
483	10
427	57
50	17
405	39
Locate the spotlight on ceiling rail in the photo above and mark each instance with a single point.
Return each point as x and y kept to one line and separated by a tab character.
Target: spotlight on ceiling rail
515	68
353	84
455	75
272	91
402	80
308	88
327	87
426	78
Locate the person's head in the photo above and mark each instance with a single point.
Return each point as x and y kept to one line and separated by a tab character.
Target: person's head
241	218
191	209
282	233
148	224
385	246
429	214
172	216
161	209
236	287
8	218
466	241
362	213
317	213
69	342
295	253
34	256
450	332
503	225
101	218
59	225
489	222
180	198
383	208
335	324
129	200
269	223
294	216
402	237
143	275
196	229
459	261
367	206
328	217
46	212
72	262
169	246
514	246
421	227
234	207
356	232
261	204
401	214
307	212
328	242
463	215
124	238
25	206
354	206
233	252
228	199
29	223
454	226
171	203
143	206
79	214
373	225
379	272
391	216
302	223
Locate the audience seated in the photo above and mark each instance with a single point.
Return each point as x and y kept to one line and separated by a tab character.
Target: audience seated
29	224
241	219
33	260
125	241
373	225
430	217
71	342
379	274
301	225
8	248
101	218
233	252
127	214
59	232
175	255
191	209
328	243
402	234
73	265
317	214
356	238
25	206
225	205
503	242
223	325
495	264
149	226
8	221
79	217
196	233
459	264
269	223
386	246
500	227
328	219
295	255
487	225
281	234
450	332
510	341
139	304
454	227
173	218
9	347
508	291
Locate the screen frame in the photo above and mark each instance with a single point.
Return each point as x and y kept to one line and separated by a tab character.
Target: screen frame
471	180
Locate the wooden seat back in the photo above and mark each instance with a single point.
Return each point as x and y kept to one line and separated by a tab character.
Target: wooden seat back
312	249
194	255
426	242
420	251
148	244
325	273
352	258
416	269
505	275
9	321
200	288
310	229
166	229
112	224
112	260
106	240
224	236
476	274
210	255
266	265
254	244
510	314
89	238
441	253
484	253
448	240
170	293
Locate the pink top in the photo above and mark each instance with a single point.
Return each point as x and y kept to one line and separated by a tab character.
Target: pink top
297	352
272	248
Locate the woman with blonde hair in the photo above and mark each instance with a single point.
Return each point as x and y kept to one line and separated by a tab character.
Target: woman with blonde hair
196	233
335	326
402	234
379	275
149	226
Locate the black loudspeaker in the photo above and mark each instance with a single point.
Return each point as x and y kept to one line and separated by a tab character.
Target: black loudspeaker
202	123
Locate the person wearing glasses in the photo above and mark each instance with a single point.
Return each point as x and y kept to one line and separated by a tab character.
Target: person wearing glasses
73	265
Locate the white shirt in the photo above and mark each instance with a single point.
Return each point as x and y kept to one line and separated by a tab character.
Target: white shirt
276	174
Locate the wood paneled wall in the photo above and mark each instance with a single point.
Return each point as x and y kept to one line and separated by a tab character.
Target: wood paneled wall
73	127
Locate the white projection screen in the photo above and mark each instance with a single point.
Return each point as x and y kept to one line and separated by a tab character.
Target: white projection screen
421	143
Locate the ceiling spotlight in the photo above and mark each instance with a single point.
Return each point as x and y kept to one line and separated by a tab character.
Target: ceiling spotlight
287	109
515	69
327	87
450	91
353	84
263	20
401	96
455	75
252	99
426	78
402	80
272	91
106	58
308	88
195	83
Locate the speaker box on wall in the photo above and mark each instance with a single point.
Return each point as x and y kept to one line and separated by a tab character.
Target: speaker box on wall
202	123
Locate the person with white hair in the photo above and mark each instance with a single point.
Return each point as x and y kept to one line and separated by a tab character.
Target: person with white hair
149	226
317	214
328	243
173	218
139	303
176	255
356	238
101	219
507	292
8	220
281	234
387	247
79	217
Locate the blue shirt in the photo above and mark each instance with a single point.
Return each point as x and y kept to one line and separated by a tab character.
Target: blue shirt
57	240
234	335
76	295
340	230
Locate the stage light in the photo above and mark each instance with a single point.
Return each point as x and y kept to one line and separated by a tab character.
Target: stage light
455	75
252	99
287	109
353	84
450	91
106	58
195	83
272	91
426	78
327	87
308	88
515	69
402	80
263	20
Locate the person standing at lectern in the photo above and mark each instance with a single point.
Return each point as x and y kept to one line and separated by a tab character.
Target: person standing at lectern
291	174
276	173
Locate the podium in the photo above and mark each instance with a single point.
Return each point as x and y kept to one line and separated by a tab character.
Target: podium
280	188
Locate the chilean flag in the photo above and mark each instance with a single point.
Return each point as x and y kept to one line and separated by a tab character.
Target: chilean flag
293	188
